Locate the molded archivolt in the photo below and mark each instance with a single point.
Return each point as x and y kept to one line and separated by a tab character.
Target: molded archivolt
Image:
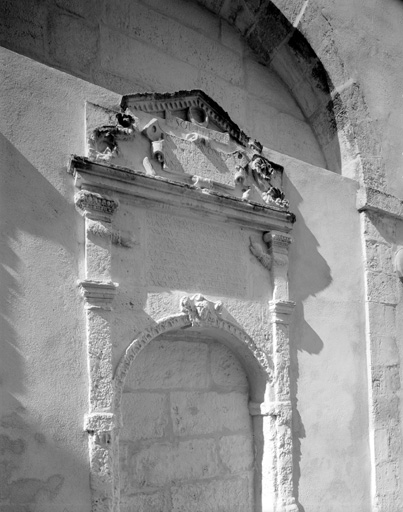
331	101
257	366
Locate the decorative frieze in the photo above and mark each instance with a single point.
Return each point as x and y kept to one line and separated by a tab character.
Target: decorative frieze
95	205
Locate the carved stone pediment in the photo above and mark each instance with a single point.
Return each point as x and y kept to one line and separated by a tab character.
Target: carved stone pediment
186	137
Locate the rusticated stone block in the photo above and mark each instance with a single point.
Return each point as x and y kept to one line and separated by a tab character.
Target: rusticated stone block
217	496
160	464
170	364
144	415
203	413
236	453
226	370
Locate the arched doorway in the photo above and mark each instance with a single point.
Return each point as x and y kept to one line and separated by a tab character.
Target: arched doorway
192	436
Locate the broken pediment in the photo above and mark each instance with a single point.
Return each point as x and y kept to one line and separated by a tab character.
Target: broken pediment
185	137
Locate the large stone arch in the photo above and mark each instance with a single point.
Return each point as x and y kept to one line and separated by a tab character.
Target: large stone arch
297	42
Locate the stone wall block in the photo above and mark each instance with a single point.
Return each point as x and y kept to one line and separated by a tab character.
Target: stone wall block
25	27
100	360
163	463
226	370
284	65
386	411
145	416
177	40
372	256
379	227
187	13
382	319
236	453
235	495
307	98
204	413
373	172
381	438
324	124
73	43
145	502
231	38
387	477
379	257
154	68
385	351
382	288
160	366
392	378
229	96
269	89
89	9
395	442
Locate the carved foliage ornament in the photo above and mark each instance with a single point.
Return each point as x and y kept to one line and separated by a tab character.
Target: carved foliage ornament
200	310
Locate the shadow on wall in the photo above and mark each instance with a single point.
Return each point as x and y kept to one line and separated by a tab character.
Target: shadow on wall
309	275
30	212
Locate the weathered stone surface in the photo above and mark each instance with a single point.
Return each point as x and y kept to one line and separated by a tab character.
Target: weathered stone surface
382	288
145	503
236	453
161	464
144	416
170	364
65	29
226	370
228	495
201	413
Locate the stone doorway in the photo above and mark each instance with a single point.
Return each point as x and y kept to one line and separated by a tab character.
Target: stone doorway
186	443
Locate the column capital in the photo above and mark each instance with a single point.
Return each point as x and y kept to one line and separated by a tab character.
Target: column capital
98	294
279	308
95	206
277	241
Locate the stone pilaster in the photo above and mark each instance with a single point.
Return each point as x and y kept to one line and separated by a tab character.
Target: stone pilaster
280	410
98	292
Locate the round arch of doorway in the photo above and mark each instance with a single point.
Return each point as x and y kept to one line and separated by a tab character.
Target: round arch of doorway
297	41
256	364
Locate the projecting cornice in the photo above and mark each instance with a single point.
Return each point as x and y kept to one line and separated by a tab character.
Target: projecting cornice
162	191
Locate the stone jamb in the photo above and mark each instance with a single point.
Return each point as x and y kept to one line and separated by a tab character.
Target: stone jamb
381	299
